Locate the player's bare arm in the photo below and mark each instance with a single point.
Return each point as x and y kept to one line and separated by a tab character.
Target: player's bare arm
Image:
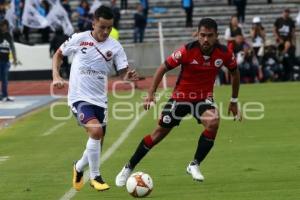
233	106
128	74
58	81
150	98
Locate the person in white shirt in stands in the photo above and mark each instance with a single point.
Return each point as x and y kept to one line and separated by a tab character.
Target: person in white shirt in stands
94	54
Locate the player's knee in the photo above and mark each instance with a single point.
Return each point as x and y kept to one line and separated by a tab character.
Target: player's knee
95	132
213	124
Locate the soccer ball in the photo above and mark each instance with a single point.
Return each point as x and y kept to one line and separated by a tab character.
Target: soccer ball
139	184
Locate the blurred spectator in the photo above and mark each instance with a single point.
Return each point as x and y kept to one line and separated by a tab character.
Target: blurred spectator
229	2
114	33
241	9
17	34
139	24
116	12
145	5
271	68
188	6
233	30
2	10
246	60
269	1
96	4
67	7
58	39
44	9
284	31
84	18
124	6
258	36
6	47
298	19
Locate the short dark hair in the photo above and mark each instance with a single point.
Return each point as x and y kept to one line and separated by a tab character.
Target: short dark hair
104	12
208	23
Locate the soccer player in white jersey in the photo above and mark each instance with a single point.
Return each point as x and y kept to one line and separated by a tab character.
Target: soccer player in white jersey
94	54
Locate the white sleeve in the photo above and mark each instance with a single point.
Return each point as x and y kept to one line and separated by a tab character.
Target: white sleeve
227	33
120	59
70	46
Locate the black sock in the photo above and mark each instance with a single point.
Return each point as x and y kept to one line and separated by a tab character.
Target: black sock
140	152
204	146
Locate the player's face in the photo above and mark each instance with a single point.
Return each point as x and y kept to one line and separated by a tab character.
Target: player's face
102	28
207	38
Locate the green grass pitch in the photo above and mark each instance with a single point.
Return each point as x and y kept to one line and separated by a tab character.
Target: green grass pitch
251	160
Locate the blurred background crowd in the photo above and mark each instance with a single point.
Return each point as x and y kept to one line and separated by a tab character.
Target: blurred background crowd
262	39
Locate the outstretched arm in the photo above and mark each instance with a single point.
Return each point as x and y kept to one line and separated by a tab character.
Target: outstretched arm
161	70
233	106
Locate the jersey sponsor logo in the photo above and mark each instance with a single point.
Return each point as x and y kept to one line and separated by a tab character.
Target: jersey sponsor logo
86	44
218	63
167	119
194	62
91	72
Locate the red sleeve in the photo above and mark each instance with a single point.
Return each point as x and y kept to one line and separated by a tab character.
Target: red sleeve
176	58
230	61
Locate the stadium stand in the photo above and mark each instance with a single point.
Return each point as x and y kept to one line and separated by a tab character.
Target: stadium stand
170	13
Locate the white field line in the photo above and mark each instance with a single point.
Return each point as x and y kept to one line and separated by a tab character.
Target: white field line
3	158
72	192
53	129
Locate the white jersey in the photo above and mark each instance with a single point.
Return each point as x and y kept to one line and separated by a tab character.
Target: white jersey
91	65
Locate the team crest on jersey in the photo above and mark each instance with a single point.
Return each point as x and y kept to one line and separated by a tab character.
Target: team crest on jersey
108	54
218	63
177	55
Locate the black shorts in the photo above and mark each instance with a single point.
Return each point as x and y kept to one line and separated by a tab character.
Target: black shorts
174	111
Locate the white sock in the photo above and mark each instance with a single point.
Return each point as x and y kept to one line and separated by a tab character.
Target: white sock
93	148
82	163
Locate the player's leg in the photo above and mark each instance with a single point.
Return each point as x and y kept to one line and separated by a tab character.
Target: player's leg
170	117
96	134
209	117
143	148
91	117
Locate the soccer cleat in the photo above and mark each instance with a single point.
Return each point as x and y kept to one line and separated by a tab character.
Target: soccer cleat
194	170
77	179
7	99
99	184
123	176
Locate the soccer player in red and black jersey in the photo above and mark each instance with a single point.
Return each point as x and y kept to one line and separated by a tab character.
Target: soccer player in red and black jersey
200	62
